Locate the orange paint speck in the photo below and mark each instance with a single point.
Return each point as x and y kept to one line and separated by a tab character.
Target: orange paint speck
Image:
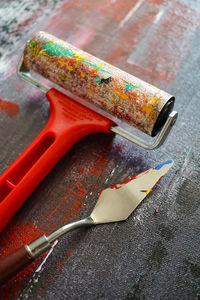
8	107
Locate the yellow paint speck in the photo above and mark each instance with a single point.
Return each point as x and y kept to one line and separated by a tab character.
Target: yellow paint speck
148	191
121	95
155	99
79	57
147	109
70	68
61	62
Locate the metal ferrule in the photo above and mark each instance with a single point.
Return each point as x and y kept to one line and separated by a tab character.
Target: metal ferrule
39	246
43	243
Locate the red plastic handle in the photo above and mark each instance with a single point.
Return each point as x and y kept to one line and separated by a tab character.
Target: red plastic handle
69	121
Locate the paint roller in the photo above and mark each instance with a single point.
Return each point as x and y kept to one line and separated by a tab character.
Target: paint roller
126	97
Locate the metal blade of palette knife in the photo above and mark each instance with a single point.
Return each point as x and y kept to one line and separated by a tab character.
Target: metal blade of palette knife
118	202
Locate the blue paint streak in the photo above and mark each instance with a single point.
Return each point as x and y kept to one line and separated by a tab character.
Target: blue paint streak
165	163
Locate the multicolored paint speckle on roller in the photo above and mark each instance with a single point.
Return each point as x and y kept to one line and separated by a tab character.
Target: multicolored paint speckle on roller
121	94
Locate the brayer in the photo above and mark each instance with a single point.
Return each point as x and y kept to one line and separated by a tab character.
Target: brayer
126	97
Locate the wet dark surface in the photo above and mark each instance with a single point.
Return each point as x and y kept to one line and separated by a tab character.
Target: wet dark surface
151	255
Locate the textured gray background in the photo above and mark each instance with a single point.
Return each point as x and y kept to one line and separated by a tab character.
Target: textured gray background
150	256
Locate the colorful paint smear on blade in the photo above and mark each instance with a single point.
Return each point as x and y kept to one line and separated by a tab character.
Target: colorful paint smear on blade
146	191
118	202
163	168
8	107
88	77
164	163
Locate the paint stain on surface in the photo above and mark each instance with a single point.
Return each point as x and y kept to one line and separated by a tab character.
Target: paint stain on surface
159	2
8	107
159	252
188	193
137	290
194	268
166	232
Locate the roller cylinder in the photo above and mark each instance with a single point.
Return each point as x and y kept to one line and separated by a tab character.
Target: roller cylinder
123	95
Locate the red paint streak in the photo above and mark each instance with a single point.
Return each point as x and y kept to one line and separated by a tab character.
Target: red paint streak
154	51
116	11
119	185
167	43
8	107
89	25
130	37
99	194
159	2
157	182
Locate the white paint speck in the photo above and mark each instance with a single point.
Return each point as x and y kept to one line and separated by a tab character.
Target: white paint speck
130	13
4	66
36	276
45	259
159	16
113	171
106	180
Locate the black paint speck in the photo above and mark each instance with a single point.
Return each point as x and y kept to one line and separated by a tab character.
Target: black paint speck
107	80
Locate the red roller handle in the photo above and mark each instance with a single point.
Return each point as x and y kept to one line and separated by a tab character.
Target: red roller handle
69	121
